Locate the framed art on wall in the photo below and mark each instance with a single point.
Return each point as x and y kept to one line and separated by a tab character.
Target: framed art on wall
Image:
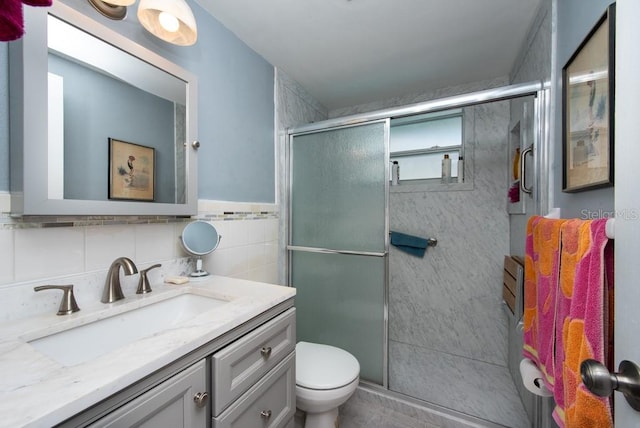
587	106
131	171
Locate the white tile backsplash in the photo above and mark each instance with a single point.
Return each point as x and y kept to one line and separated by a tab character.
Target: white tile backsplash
48	252
234	233
255	255
247	250
271	230
107	243
271	252
31	255
255	232
154	242
228	261
266	273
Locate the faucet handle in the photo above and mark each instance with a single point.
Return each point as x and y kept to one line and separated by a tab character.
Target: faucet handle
68	304
143	282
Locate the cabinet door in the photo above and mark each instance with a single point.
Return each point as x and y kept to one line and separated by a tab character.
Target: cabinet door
169	405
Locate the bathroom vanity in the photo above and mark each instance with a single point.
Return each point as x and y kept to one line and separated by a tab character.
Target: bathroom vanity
213	353
229	364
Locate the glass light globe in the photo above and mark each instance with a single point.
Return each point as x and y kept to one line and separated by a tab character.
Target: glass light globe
169	22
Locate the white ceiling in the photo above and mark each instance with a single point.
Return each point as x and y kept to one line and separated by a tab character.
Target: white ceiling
348	52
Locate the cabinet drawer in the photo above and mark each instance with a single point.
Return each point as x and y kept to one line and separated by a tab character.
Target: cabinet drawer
268	404
238	366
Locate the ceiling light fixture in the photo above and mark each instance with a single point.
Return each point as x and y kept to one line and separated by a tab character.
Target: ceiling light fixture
121	2
114	9
169	20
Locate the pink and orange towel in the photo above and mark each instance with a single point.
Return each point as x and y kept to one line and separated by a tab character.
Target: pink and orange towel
11	24
542	269
583	302
568	296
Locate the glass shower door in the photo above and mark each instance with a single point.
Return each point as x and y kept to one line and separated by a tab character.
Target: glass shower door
338	240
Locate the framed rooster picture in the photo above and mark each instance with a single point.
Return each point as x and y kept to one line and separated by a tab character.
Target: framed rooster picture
131	171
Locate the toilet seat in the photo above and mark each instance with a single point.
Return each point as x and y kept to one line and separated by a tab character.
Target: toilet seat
324	367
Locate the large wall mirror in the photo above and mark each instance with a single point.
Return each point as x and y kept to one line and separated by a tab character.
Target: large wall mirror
102	125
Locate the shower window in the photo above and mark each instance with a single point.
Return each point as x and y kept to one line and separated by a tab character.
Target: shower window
418	143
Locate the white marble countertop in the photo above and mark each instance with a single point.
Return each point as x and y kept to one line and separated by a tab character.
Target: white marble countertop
36	391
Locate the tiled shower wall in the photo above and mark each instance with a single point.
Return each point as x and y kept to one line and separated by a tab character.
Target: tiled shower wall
447	327
36	251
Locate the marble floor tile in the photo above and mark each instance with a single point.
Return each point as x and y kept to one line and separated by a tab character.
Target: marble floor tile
372	407
366	416
472	387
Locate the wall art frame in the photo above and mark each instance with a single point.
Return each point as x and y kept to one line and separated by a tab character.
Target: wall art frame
588	106
131	171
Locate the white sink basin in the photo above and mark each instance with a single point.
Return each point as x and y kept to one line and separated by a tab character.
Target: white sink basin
83	343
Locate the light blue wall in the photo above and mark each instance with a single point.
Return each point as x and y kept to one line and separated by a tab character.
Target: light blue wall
235	106
574	21
120	109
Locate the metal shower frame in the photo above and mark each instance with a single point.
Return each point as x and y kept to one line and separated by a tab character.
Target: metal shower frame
540	149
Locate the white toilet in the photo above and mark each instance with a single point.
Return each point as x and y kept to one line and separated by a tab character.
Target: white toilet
326	377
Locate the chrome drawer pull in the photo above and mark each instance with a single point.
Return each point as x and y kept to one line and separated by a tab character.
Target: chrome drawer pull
201	399
266	351
266	414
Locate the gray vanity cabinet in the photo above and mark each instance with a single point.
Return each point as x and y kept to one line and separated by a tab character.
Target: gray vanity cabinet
169	405
244	378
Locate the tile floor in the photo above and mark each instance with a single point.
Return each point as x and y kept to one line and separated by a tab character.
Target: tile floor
372	408
366	416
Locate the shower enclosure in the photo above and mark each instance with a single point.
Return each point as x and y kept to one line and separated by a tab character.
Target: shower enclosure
430	329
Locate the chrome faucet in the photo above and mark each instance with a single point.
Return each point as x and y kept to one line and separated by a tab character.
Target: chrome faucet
112	289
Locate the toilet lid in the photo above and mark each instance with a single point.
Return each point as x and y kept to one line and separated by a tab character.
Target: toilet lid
324	367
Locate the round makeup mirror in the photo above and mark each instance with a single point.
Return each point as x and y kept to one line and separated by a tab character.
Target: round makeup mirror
199	239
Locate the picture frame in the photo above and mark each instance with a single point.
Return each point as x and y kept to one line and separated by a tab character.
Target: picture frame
131	171
588	110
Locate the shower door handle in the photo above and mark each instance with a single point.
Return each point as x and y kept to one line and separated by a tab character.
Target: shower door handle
523	170
597	379
330	251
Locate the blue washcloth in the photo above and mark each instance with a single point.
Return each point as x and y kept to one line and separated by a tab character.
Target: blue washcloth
409	244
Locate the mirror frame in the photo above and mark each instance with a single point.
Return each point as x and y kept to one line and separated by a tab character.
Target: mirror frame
28	67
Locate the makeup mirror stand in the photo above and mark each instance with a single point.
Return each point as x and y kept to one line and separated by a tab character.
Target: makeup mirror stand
199	239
